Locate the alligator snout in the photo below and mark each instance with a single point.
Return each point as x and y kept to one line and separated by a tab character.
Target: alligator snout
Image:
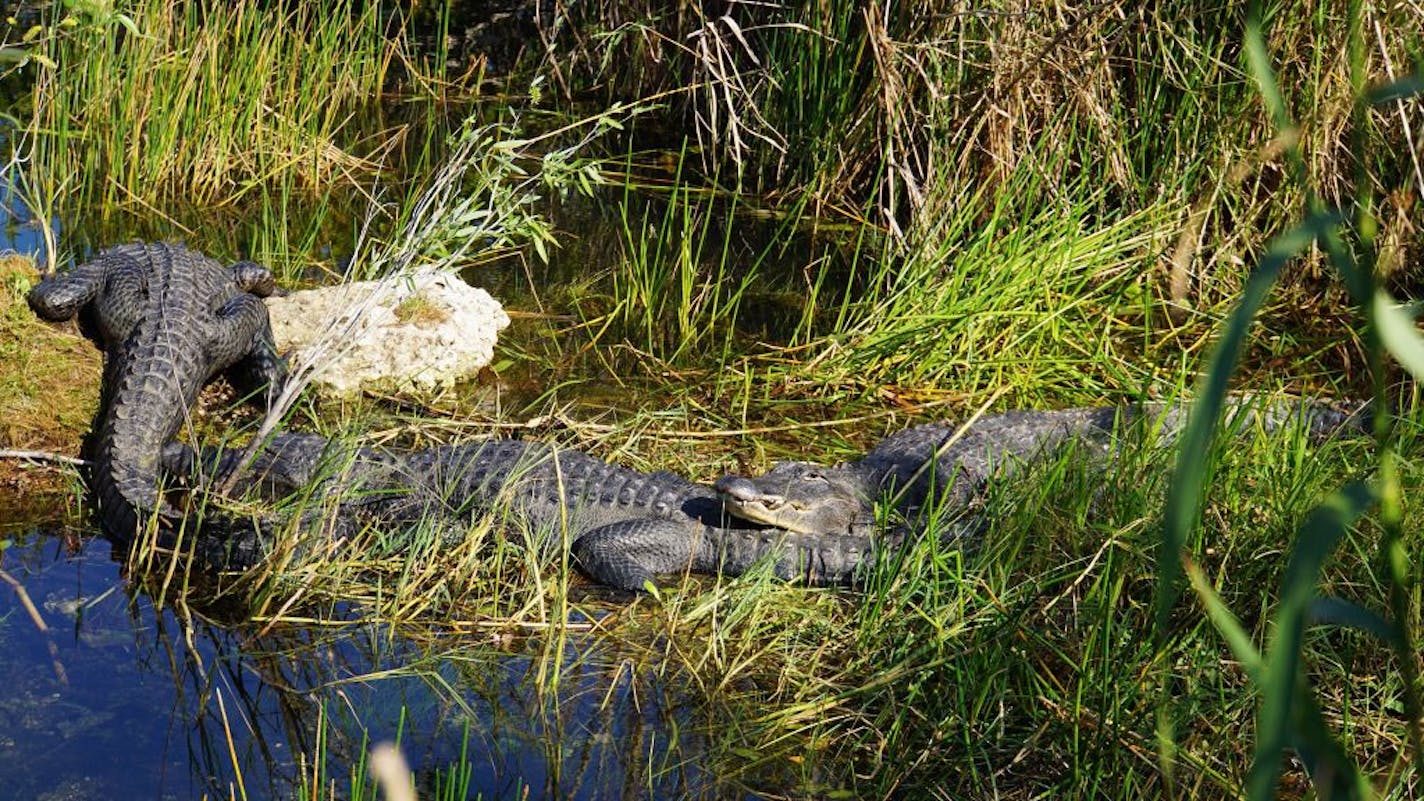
740	489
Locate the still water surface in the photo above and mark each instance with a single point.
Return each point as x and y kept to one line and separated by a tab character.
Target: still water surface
120	698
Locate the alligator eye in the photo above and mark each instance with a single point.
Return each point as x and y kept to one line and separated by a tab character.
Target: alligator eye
813	476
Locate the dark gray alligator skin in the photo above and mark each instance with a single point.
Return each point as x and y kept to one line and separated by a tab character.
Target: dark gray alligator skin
624	527
948	466
168	319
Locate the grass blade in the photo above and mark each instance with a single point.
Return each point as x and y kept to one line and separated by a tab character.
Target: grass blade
1340	612
1322	530
1184	498
1398	333
1227	624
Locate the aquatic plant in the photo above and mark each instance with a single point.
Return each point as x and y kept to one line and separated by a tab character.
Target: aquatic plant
1042	206
1290	717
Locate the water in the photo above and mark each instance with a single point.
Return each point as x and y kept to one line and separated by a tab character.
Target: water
19	230
121	698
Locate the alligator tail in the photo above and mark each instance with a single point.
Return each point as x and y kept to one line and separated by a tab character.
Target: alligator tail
147	409
164	369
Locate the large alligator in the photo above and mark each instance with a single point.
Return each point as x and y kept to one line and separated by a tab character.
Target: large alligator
943	469
623	527
168	319
813	522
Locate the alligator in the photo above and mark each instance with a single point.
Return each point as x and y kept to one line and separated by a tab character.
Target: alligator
168	319
623	527
812	522
943	469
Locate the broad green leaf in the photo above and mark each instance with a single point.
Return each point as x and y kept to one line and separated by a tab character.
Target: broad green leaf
1330	767
1340	612
1228	625
1184	496
1258	61
1398	333
1402	89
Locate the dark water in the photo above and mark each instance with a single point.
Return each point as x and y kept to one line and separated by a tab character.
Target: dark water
123	699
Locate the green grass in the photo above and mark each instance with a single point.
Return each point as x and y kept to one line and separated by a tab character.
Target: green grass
995	210
250	129
49	379
206	104
1028	667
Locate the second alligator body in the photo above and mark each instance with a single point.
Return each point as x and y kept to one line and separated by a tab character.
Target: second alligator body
623	527
943	468
812	522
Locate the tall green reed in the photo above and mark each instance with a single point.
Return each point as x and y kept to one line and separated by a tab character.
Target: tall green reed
1290	716
1049	307
208	102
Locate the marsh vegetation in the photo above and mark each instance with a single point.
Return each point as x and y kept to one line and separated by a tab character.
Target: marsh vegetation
733	233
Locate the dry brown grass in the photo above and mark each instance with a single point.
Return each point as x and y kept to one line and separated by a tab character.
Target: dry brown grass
936	105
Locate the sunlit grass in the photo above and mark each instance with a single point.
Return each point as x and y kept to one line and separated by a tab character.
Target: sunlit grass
207	104
1032	230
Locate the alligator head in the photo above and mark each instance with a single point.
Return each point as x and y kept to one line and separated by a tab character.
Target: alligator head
802	497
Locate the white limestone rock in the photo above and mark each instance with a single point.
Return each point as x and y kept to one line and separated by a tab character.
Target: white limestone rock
420	333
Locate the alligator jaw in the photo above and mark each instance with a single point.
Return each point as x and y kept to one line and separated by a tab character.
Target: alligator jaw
801	497
745	500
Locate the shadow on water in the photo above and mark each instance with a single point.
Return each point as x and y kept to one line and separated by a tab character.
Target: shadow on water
123	699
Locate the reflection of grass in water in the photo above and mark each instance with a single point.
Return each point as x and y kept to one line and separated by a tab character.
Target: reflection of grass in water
465	704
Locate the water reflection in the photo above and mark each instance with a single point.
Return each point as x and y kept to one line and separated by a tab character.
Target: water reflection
21	231
125	700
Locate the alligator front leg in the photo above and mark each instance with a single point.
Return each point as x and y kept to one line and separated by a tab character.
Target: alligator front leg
630	554
260	372
249	276
60	297
245	347
816	559
107	295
